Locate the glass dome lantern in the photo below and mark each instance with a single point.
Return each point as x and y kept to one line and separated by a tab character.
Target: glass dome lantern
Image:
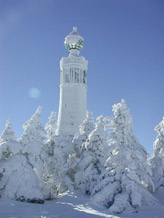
74	41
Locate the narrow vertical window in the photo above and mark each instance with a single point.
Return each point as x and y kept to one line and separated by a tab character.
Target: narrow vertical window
84	77
76	77
71	74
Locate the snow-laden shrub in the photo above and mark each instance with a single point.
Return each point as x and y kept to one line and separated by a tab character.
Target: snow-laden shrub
18	180
158	156
126	181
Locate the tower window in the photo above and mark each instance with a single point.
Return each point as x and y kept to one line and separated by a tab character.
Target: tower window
76	77
84	77
71	74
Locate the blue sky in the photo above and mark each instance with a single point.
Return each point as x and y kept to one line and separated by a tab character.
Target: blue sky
123	42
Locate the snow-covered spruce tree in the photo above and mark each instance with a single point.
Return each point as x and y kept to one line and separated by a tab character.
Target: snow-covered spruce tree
51	127
55	179
127	179
66	159
53	176
158	156
79	139
18	180
9	144
56	148
58	181
91	160
32	141
85	129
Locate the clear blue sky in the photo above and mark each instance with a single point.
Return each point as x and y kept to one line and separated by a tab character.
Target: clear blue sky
123	42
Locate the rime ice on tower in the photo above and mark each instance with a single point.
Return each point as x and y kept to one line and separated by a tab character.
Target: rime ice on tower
73	88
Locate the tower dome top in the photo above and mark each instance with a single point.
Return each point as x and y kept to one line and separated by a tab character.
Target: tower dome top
74	41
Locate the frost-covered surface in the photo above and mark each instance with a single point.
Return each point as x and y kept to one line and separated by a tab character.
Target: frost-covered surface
85	129
73	206
32	142
73	88
33	129
51	126
17	177
55	179
9	144
110	170
78	147
158	156
92	158
126	181
104	162
50	160
18	180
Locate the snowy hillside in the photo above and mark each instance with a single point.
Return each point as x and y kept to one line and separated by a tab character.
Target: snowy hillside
71	206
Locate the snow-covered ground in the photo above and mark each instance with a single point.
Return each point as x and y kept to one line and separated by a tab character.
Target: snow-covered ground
73	206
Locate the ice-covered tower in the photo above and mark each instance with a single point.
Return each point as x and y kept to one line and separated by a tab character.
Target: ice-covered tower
73	88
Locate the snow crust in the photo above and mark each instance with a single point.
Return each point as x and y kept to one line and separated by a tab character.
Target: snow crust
73	206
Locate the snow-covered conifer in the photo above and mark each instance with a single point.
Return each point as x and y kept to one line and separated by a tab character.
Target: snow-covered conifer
85	129
57	181
78	141
50	176
9	144
127	177
32	141
51	125
92	158
121	125
18	180
158	156
33	129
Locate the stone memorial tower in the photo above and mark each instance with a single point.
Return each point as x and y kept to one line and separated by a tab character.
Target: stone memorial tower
73	87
